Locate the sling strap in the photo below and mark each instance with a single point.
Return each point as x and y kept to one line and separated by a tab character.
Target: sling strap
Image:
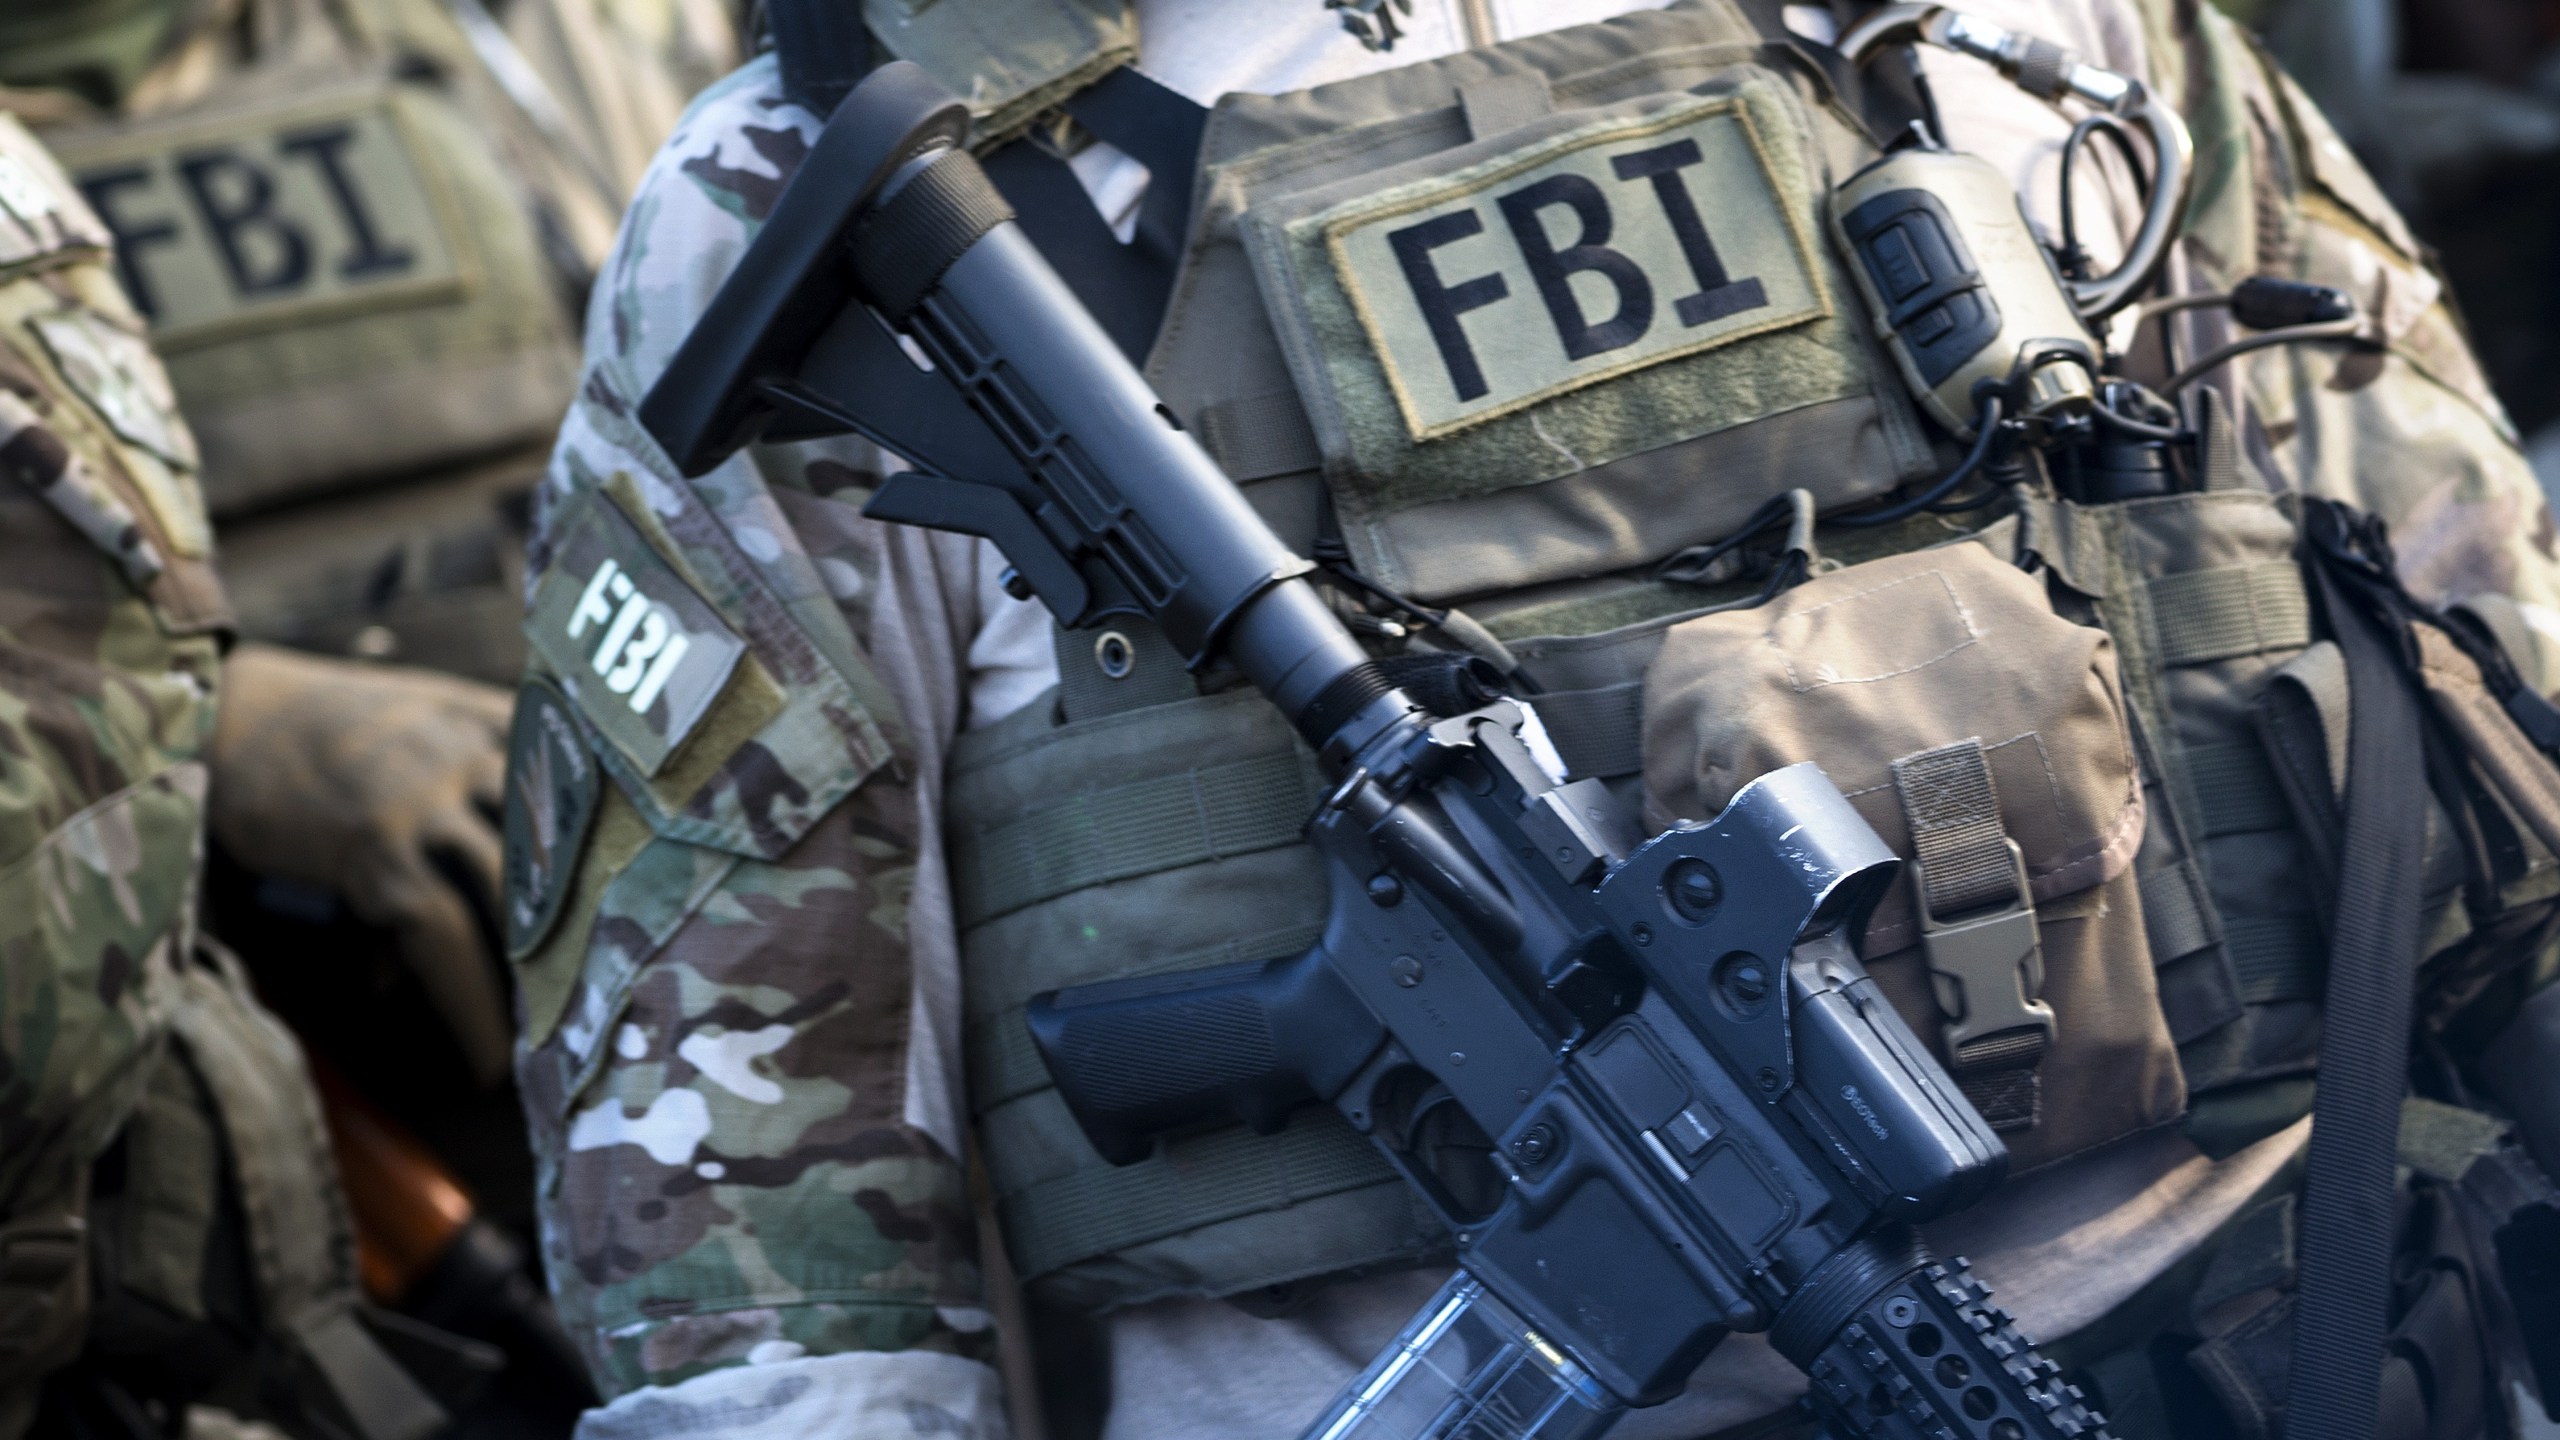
2344	1293
822	48
1125	285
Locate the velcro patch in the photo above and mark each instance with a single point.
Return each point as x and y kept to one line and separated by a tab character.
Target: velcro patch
40	214
114	371
255	219
635	646
117	374
552	787
1583	256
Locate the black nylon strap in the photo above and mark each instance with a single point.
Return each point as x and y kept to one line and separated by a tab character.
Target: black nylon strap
821	48
1162	128
2343	1298
1125	286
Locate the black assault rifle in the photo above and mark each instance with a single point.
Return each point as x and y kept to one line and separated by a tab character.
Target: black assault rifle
1680	1105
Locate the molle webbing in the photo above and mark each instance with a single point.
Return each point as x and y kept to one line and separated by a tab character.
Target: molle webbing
1013	59
2206	602
1142	827
1255	437
2229	611
1956	837
1135	842
1196	1183
1144	836
301	1246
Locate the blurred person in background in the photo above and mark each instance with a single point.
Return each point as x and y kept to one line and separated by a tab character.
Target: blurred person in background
360	234
2455	107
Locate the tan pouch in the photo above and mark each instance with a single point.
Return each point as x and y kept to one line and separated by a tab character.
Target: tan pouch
1942	694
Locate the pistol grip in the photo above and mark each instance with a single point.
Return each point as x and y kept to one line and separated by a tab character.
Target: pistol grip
1250	1042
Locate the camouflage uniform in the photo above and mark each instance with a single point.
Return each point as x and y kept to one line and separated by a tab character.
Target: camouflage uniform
136	1071
665	1039
718	1036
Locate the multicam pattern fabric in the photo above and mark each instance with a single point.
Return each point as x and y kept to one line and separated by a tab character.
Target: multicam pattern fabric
107	679
788	1399
720	1067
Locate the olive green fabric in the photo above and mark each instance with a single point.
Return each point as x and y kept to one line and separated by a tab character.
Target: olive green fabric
1873	666
173	1165
364	252
108	676
1010	59
1140	842
96	47
2206	606
1265	353
340	274
1363	257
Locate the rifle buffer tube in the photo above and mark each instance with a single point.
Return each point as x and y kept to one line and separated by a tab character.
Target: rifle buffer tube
1230	584
1147	499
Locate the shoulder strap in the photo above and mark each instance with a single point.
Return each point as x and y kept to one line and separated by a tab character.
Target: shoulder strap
2344	1293
822	49
1125	285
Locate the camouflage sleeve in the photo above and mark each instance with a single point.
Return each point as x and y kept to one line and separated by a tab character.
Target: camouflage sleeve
735	1055
108	665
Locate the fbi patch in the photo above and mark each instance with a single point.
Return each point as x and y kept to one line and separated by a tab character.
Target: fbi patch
551	804
251	221
636	648
1578	258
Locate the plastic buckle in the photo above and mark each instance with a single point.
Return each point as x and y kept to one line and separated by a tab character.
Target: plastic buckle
1987	968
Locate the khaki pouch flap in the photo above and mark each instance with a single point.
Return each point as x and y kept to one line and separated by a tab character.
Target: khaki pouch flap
1886	662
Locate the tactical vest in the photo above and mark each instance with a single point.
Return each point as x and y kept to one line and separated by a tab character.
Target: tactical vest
1507	331
148	1108
362	262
